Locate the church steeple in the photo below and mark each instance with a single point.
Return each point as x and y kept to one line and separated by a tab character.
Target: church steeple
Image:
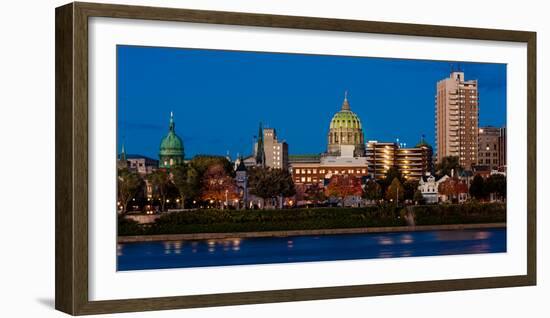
260	153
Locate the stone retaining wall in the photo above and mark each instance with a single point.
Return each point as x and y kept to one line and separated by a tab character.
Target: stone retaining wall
213	236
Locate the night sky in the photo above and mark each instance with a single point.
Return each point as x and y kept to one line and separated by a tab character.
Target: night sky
219	97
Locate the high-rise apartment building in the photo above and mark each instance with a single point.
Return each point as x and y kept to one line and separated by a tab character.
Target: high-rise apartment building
457	119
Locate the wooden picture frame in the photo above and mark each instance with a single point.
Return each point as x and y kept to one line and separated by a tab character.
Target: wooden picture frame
71	122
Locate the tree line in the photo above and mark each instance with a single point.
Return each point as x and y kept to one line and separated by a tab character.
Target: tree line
208	180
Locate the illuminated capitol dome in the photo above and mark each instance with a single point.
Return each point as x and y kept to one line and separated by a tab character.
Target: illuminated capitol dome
345	132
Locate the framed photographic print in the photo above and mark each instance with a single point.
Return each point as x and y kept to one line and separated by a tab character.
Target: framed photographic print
218	158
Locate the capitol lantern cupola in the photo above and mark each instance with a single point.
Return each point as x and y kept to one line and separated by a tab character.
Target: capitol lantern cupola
171	147
345	132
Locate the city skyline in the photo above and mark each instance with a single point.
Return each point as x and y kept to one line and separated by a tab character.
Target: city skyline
218	102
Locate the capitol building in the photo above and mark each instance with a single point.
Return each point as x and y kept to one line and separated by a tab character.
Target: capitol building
347	153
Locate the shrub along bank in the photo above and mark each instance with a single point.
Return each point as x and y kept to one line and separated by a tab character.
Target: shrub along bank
225	221
468	213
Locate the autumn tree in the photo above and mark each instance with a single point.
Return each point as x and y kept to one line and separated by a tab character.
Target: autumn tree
186	180
395	191
343	186
373	191
315	193
201	163
391	174
301	192
160	181
268	183
128	183
260	184
217	185
283	184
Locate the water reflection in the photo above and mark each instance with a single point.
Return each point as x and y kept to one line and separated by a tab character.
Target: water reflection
174	247
385	241
481	248
235	251
385	254
482	235
462	235
290	244
406	239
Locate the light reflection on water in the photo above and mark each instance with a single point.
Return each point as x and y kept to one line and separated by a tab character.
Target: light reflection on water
235	251
406	239
462	235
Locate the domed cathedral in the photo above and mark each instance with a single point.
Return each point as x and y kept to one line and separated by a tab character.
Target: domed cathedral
171	147
346	132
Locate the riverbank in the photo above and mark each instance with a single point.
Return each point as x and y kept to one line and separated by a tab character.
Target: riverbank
385	229
318	220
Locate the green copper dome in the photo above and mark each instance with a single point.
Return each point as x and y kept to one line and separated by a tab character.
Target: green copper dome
423	143
345	118
171	147
345	129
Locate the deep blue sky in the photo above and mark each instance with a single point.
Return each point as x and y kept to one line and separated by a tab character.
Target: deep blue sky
219	97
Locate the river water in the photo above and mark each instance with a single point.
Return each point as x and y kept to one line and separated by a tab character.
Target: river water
181	254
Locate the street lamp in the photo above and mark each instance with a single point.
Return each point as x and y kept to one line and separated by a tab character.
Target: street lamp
226	196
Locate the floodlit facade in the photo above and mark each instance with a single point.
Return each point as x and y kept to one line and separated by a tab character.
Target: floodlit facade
412	162
457	119
276	152
269	152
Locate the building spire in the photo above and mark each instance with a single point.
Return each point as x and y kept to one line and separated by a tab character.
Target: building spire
172	124
123	152
260	152
345	104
